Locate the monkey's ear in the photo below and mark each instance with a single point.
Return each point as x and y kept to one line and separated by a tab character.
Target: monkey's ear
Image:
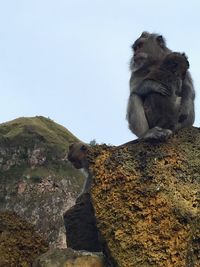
186	59
83	148
184	55
188	64
161	41
145	34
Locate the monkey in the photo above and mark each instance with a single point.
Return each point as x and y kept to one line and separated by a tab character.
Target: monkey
170	75
149	50
77	155
88	235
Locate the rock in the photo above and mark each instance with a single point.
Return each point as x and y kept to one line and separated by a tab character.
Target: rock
80	225
69	258
20	245
146	198
36	179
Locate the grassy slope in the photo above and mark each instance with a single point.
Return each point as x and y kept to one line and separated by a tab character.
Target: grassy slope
26	129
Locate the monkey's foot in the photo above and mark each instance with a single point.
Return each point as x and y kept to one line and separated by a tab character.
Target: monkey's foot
156	134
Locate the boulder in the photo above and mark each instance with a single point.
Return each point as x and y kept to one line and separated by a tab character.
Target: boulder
69	258
146	198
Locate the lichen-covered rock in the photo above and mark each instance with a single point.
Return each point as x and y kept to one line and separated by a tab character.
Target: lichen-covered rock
20	245
69	258
146	198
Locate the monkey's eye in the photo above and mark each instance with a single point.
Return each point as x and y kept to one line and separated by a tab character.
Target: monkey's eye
133	47
137	46
140	45
83	148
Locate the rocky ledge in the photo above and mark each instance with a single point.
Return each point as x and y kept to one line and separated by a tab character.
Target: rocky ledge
146	199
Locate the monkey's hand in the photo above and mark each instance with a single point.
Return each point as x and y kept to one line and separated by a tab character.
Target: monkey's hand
151	86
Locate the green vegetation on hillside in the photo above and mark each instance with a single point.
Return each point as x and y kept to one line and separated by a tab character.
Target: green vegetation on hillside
28	130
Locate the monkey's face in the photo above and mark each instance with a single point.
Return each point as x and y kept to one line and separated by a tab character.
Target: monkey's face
176	63
77	155
147	49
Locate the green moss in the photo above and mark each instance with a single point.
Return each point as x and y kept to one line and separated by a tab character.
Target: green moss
13	174
36	175
36	178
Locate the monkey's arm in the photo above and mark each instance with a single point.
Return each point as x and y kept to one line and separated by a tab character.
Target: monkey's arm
78	157
136	116
151	86
88	183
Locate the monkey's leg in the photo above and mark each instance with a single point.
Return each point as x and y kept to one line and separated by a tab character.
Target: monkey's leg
136	117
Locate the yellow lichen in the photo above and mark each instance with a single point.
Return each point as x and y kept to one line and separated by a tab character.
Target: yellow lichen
147	203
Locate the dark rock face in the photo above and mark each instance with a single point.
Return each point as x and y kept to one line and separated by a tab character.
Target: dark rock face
80	225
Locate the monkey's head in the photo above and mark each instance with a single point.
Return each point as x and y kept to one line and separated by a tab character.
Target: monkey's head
176	63
148	49
77	155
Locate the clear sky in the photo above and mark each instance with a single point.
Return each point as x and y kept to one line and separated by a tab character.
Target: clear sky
69	59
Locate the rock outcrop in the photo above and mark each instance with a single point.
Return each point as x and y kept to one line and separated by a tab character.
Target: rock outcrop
36	179
69	258
146	198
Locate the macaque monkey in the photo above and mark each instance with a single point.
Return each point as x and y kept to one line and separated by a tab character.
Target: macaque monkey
149	53
77	156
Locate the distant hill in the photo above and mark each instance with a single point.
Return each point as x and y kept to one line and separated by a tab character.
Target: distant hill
36	179
40	129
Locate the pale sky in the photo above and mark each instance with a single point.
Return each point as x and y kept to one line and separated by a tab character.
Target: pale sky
69	59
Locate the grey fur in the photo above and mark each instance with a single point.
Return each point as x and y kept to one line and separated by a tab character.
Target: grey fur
146	57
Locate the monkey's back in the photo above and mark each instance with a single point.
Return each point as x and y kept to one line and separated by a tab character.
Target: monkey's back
160	111
162	76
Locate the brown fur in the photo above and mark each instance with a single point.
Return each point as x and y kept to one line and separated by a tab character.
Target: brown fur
163	110
171	71
77	155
